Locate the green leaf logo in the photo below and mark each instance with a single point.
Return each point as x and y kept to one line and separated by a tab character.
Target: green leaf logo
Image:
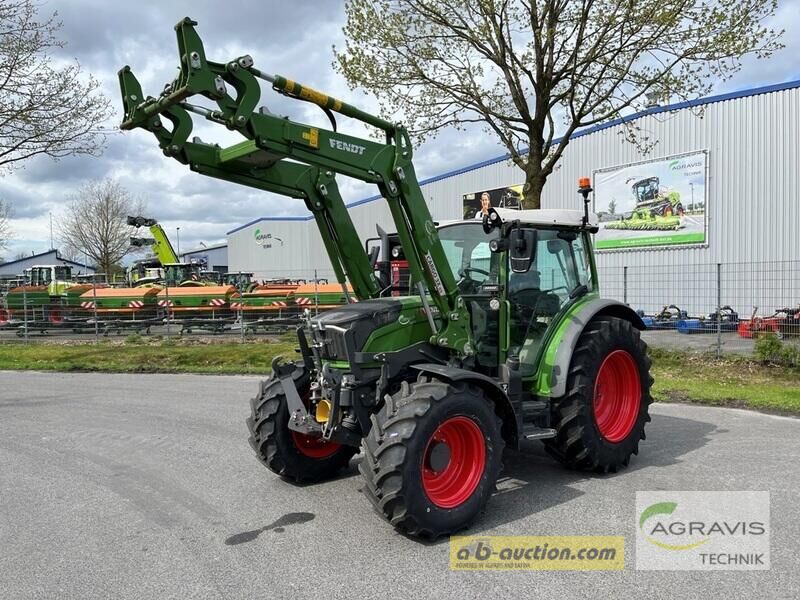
664	508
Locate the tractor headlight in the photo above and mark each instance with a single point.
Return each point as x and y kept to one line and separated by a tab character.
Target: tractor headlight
494	303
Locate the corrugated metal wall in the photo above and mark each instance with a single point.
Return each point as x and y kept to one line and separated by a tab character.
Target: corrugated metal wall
753	209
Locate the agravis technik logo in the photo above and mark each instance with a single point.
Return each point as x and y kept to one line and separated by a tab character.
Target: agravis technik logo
702	530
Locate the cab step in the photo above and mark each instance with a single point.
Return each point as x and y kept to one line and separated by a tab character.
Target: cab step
533	432
534	408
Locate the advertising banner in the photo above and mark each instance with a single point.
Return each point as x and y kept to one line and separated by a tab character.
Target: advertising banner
652	204
476	203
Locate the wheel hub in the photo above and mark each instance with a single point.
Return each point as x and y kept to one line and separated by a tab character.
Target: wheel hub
453	462
617	396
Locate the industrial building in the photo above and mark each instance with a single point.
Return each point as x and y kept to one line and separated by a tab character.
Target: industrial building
213	258
14	268
728	163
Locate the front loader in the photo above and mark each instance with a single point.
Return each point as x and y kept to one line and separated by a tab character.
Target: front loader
505	339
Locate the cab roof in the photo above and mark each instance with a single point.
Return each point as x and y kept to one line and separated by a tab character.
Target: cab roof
548	216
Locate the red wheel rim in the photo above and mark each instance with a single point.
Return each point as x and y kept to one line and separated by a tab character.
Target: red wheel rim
56	316
3	316
313	446
617	396
452	484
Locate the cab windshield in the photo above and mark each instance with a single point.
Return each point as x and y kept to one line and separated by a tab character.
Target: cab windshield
466	247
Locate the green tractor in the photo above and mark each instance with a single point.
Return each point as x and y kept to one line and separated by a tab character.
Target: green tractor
505	340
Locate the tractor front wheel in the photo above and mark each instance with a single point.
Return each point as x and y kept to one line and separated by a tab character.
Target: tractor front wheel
292	455
601	419
432	457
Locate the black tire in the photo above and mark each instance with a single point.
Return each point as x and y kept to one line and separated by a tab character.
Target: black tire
579	443
397	444
274	443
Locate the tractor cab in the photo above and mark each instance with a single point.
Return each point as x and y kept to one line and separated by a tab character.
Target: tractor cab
552	269
183	274
146	272
645	190
241	281
211	277
56	278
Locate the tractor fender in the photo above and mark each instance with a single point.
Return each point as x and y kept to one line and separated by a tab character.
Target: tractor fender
555	377
492	388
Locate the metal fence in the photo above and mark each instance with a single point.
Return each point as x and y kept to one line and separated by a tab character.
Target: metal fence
722	307
95	311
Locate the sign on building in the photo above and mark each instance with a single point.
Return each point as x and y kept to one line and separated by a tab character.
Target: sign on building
660	202
476	203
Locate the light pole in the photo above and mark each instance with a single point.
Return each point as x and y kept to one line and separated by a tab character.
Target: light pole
178	230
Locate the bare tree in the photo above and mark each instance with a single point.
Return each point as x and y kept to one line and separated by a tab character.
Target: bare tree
532	70
46	108
5	223
95	223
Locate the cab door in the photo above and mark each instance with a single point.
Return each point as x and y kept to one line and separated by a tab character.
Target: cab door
538	296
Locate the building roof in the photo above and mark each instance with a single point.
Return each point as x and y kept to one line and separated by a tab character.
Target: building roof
767	89
206	249
48	253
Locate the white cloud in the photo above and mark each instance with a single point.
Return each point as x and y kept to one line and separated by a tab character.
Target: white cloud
293	39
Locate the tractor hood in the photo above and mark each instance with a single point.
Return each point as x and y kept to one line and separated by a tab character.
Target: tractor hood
379	325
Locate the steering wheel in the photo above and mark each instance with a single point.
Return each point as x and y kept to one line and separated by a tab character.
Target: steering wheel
466	282
467	270
526	310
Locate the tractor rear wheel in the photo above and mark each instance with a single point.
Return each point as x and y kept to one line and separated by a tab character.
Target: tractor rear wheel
601	419
432	457
292	455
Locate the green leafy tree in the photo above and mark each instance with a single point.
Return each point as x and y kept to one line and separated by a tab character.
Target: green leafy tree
612	207
532	70
45	107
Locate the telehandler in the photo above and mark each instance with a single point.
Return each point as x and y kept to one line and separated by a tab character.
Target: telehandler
506	338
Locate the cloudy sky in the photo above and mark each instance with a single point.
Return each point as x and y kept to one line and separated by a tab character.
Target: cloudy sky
290	38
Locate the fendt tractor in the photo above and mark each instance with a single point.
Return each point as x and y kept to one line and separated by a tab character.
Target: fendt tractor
504	340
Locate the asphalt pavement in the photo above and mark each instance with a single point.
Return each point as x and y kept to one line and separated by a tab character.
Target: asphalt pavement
144	486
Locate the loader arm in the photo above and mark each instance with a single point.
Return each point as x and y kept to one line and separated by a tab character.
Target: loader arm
162	247
272	148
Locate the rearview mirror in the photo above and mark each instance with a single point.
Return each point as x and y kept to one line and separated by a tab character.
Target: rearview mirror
522	249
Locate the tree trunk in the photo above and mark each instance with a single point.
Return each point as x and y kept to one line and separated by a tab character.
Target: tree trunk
532	190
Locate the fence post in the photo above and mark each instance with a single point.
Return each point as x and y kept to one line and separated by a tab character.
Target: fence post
719	310
625	285
94	308
25	310
316	294
240	310
166	300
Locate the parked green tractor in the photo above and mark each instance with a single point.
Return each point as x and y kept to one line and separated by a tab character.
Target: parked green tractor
506	339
